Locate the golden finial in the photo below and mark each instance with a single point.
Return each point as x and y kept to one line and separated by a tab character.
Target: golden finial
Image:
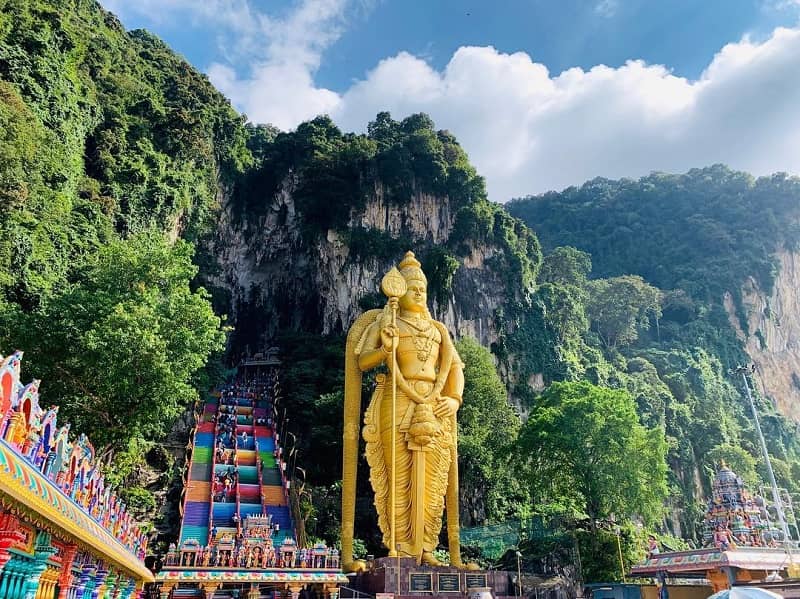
393	283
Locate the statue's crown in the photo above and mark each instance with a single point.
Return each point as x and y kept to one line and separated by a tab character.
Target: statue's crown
411	268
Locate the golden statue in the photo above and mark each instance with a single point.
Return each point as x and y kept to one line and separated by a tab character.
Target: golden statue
410	425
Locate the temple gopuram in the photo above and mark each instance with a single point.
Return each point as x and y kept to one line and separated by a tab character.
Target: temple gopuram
63	532
742	541
237	535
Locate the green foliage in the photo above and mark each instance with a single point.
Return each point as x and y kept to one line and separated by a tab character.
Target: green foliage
134	129
488	429
128	458
106	135
697	237
440	267
619	307
484	223
704	232
117	349
566	266
578	447
312	386
600	552
736	458
140	501
333	174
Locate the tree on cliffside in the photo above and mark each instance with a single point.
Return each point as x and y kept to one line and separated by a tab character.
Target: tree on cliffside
619	307
488	428
118	350
585	452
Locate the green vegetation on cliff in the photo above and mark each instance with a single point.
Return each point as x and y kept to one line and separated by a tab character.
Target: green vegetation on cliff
110	144
669	248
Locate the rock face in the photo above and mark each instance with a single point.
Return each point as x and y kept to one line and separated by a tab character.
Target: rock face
278	280
772	338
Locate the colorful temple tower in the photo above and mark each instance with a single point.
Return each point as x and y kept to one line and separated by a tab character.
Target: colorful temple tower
63	532
237	533
735	518
741	543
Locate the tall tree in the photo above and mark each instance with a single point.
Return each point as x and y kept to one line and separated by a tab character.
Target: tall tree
619	307
118	350
488	428
566	266
585	450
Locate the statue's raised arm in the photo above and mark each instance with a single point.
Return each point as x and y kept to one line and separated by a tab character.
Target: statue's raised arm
410	425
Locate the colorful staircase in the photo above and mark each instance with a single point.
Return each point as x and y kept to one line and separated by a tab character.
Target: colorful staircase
197	501
259	487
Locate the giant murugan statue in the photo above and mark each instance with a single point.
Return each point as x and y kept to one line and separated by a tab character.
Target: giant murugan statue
410	424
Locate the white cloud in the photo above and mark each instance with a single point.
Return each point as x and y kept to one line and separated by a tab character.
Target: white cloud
528	131
280	87
606	8
525	129
281	54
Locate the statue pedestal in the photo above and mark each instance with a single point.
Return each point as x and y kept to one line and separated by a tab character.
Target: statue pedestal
421	581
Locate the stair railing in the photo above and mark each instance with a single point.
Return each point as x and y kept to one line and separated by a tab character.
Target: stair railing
236	463
188	474
213	477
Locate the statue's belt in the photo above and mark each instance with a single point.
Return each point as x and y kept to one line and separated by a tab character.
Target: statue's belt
421	387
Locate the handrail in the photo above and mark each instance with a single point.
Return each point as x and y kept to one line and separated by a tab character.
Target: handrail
213	476
238	520
355	593
259	474
189	469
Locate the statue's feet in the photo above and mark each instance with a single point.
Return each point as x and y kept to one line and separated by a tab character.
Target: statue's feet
429	560
356	565
467	566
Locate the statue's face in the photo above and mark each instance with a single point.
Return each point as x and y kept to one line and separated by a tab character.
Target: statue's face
416	296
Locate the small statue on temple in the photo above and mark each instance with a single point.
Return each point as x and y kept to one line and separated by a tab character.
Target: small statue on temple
652	547
723	539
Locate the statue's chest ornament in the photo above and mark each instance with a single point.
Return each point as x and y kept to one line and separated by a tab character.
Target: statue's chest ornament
423	336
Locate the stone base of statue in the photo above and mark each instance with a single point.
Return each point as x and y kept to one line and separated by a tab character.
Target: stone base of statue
441	581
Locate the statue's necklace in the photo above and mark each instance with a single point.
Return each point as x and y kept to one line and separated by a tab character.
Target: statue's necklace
422	338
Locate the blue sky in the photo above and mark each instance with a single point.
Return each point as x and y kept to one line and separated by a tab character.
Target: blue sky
520	82
684	34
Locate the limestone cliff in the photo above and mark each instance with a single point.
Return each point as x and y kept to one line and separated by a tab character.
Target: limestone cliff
277	279
772	338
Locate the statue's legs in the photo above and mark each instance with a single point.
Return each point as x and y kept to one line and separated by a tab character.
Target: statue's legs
420	480
437	468
402	493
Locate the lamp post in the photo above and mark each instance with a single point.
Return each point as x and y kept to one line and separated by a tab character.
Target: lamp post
744	371
519	574
618	533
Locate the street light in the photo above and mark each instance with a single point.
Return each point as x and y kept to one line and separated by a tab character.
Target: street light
519	574
618	534
776	498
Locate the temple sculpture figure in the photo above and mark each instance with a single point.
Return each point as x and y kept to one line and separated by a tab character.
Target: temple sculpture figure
412	448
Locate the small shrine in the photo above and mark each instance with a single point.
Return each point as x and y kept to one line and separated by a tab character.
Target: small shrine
741	542
63	531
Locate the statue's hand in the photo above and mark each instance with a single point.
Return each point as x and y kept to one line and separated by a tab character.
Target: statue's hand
390	337
446	407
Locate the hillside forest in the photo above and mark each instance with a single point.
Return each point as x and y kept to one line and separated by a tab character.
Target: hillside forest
603	400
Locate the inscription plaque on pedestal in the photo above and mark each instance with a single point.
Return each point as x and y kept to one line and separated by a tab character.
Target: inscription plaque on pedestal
449	583
420	582
475	580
